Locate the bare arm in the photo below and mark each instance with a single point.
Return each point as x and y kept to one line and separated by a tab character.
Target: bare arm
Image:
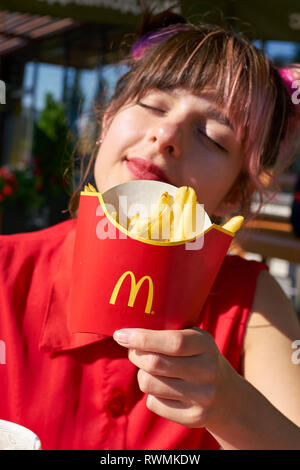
266	411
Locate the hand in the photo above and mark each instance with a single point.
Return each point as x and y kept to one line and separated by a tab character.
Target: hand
187	379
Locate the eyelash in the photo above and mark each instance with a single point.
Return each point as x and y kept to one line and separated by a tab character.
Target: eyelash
143	105
212	141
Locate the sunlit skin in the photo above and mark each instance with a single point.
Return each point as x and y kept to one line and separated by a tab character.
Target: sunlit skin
186	378
170	132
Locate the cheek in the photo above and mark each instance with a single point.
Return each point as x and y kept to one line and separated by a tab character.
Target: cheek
124	130
212	179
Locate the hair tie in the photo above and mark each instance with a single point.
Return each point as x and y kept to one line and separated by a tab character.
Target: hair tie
154	37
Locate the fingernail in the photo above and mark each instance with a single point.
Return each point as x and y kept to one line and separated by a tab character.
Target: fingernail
122	336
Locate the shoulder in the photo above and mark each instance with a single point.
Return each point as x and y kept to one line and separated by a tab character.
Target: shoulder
18	247
49	234
271	307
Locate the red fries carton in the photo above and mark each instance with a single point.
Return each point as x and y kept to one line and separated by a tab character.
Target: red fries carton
121	281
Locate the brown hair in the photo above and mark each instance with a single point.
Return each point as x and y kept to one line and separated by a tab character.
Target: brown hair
247	86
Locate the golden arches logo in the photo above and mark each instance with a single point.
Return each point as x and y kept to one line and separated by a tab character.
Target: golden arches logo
135	287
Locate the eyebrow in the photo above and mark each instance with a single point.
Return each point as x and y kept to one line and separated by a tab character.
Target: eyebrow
211	112
216	115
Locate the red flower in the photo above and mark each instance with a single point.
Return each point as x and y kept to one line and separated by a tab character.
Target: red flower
4	173
7	190
11	179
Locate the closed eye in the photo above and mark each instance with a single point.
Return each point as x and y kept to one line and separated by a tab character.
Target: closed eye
143	105
202	132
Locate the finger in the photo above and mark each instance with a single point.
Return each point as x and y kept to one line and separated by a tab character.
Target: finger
163	387
176	411
175	389
193	369
187	342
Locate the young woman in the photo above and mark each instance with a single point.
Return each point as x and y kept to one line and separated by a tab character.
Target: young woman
199	106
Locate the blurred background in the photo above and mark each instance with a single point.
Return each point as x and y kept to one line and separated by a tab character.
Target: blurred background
60	58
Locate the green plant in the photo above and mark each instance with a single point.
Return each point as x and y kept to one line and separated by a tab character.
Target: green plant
52	151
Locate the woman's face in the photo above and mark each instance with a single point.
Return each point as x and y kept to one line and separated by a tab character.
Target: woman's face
184	135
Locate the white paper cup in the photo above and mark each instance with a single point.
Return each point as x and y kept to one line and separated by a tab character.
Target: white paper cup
16	437
142	196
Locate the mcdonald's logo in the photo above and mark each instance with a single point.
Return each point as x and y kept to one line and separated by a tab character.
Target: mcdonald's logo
135	287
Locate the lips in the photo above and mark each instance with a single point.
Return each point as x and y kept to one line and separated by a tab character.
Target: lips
143	169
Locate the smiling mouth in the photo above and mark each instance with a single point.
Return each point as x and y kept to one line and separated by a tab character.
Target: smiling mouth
143	169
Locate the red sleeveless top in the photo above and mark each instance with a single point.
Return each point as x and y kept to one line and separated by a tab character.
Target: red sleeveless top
81	391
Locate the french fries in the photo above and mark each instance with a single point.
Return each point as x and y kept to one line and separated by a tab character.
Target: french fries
177	218
152	227
90	188
234	224
173	219
184	210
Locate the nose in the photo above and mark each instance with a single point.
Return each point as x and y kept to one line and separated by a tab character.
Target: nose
168	138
